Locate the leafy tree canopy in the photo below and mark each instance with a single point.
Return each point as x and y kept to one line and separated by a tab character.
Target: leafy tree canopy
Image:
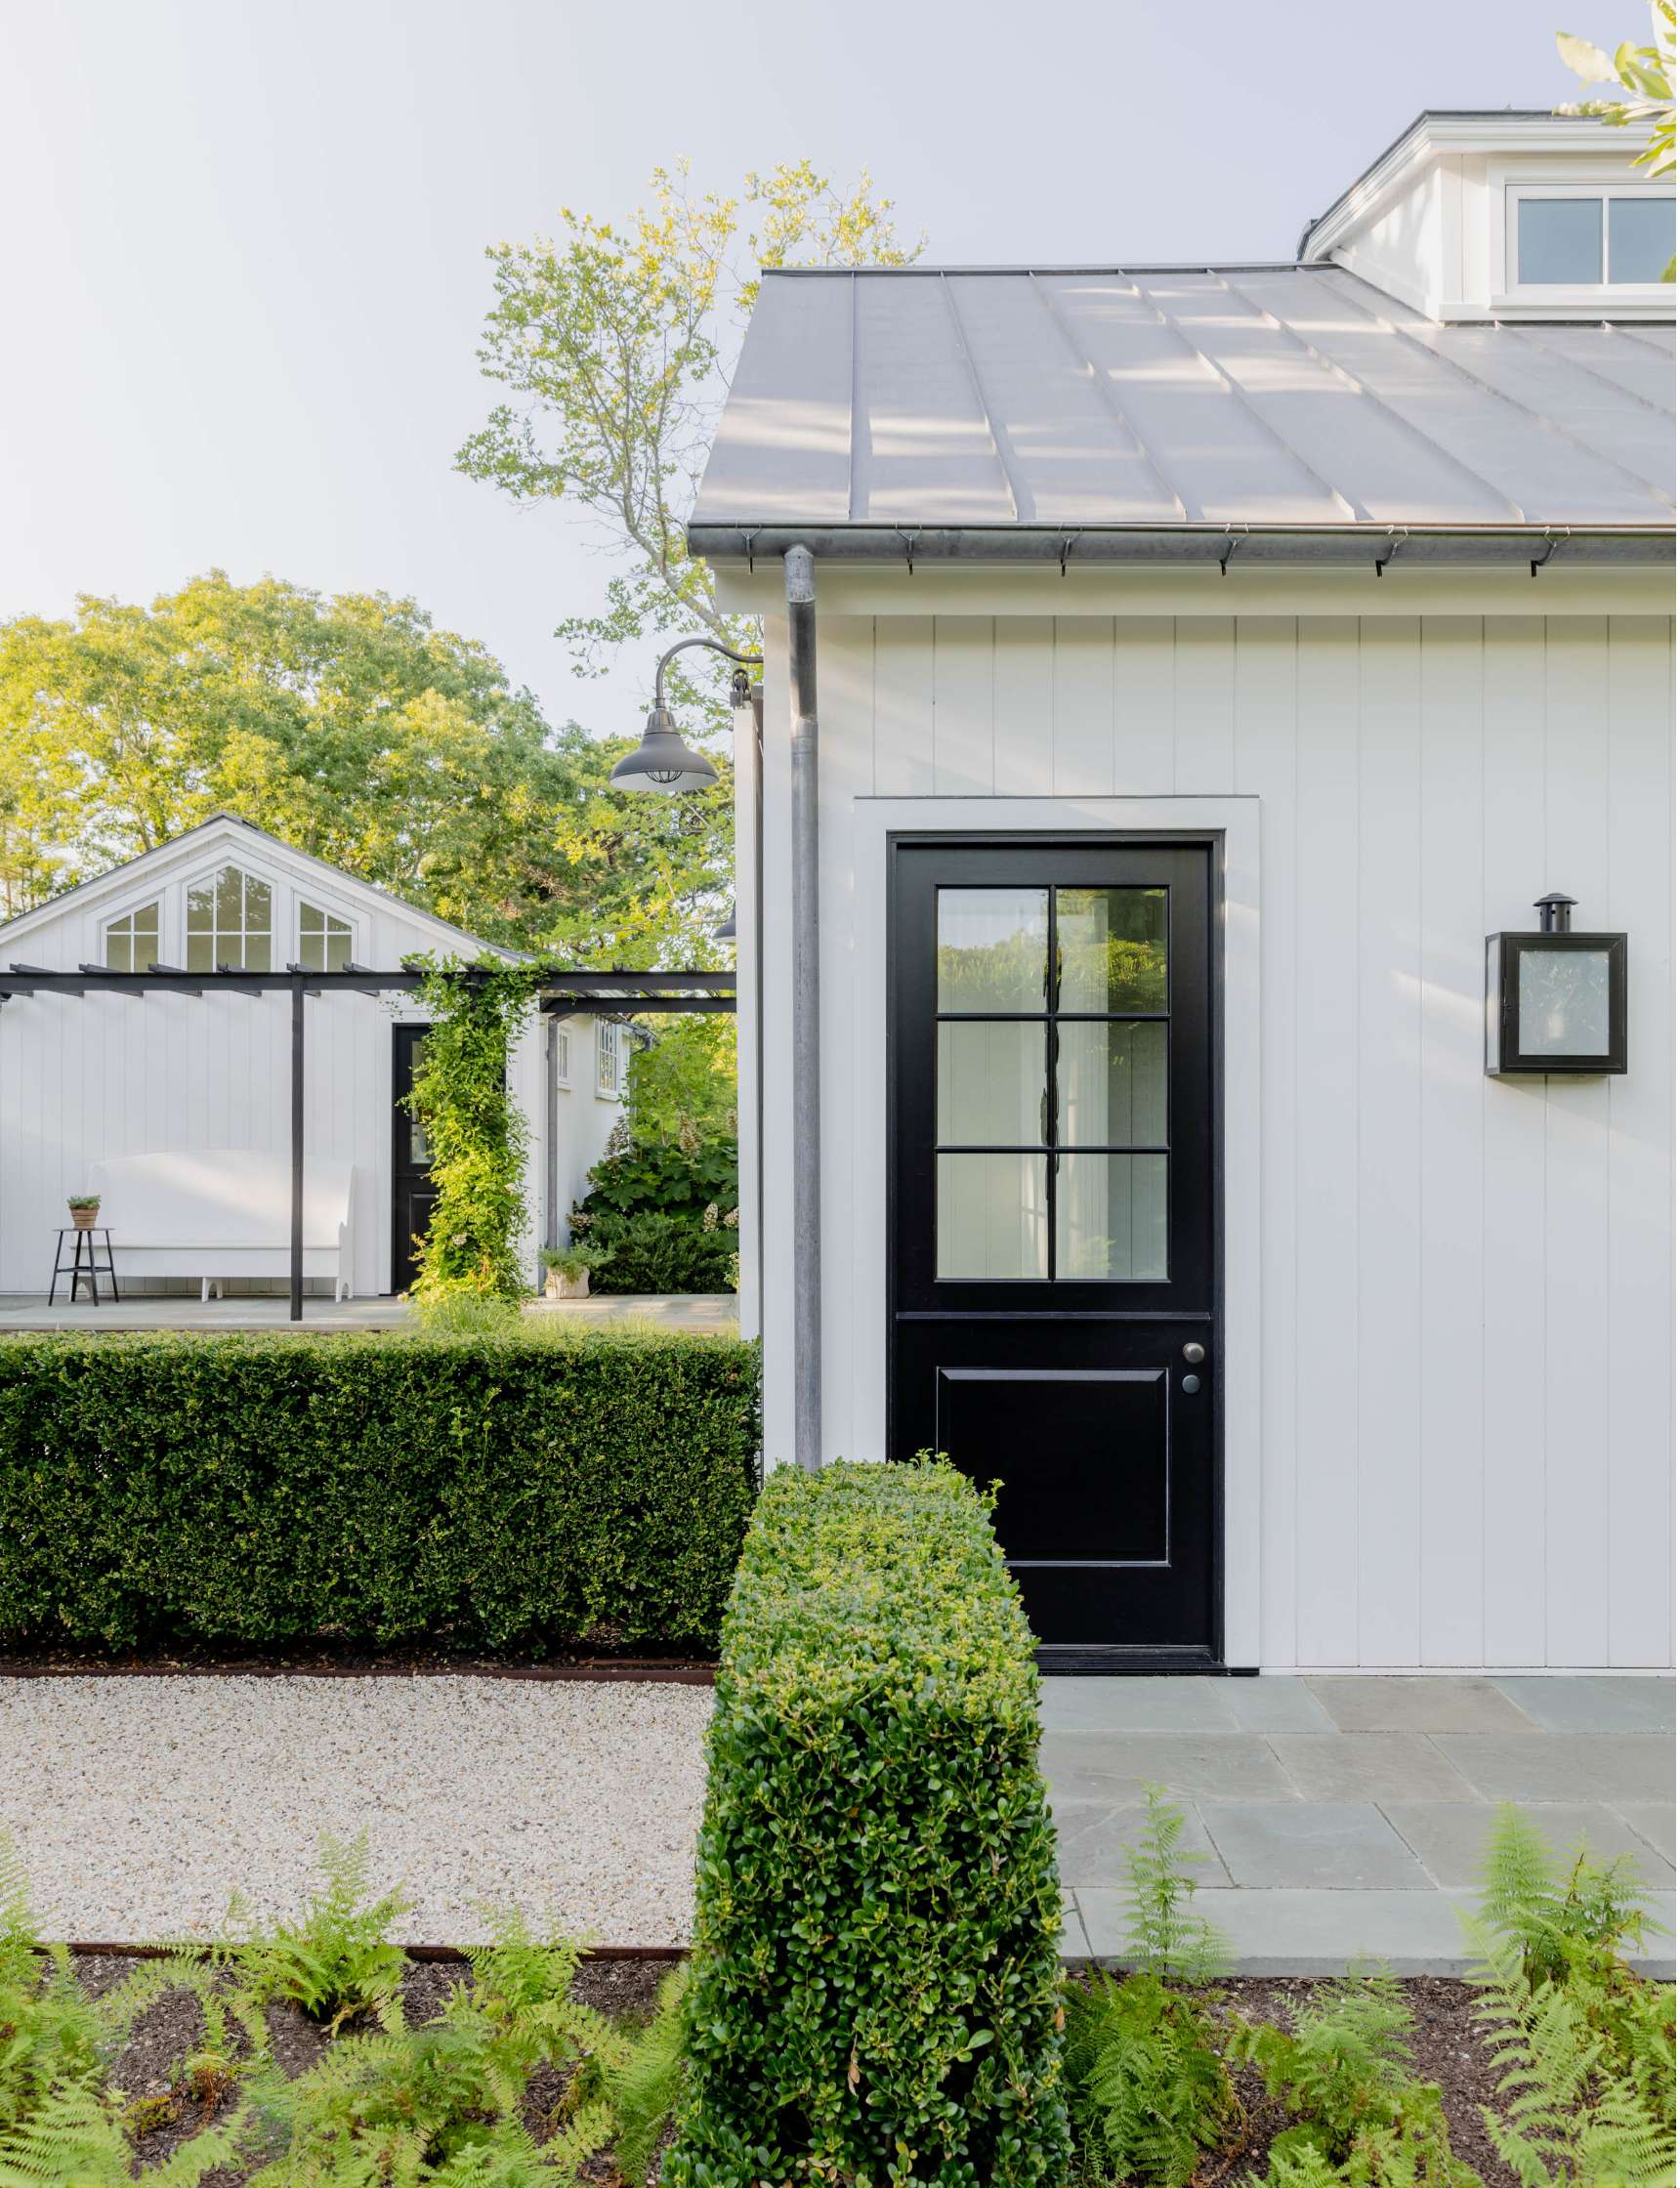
354	728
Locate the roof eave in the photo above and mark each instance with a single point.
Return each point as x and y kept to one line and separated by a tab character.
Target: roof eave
1485	545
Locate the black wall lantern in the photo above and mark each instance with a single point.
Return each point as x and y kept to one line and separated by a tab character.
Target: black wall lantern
1557	1001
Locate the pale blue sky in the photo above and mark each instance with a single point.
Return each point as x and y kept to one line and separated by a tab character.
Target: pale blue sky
243	245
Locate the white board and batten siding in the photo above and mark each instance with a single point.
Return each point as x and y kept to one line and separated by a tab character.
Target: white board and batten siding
109	1074
1464	1286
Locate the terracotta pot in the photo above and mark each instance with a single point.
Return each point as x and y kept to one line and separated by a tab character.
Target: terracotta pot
84	1219
558	1287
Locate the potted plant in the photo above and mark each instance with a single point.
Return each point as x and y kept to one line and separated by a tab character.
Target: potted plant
567	1270
84	1209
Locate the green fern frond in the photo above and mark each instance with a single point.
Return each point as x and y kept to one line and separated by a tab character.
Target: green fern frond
1164	1936
644	2077
74	2141
337	1962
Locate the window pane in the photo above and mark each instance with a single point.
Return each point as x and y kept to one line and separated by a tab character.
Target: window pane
1560	239
1562	1002
229	899
1112	948
1641	237
255	958
1111	1217
311	921
312	951
1110	1085
994	947
201	955
198	912
992	1083
120	949
337	946
144	923
257	902
993	1216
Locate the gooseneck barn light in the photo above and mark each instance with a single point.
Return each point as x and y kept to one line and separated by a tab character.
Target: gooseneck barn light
662	761
1557	1000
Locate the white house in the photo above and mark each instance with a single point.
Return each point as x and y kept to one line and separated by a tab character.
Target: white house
176	1106
1207	660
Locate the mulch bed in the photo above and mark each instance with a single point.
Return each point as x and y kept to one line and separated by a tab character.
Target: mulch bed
1443	2044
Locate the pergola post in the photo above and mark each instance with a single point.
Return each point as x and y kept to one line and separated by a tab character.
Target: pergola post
297	1241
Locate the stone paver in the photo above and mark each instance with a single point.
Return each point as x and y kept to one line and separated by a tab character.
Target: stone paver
1094	1836
1450	1838
1617	1766
1401	1704
1348	1816
1594	1703
1117	1766
1307	1844
1368	1766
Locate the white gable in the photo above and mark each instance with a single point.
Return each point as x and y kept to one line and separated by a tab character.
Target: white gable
73	928
1434	221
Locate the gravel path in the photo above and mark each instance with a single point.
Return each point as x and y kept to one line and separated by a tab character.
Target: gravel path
139	1804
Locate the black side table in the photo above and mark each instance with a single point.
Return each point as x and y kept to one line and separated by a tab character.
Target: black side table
82	1265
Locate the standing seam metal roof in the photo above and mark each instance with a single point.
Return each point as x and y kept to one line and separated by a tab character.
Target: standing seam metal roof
1296	396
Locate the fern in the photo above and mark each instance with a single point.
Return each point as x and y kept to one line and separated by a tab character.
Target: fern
644	2078
1344	2068
74	2141
1148	2091
1165	1938
1559	1912
338	1963
1566	2118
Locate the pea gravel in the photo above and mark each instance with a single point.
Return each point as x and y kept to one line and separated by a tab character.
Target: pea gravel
140	1804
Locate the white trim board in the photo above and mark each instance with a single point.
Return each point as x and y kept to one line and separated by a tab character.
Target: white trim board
855	1144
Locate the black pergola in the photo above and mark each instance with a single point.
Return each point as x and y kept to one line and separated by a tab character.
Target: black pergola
560	994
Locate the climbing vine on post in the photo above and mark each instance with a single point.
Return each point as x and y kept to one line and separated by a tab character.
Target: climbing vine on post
476	1132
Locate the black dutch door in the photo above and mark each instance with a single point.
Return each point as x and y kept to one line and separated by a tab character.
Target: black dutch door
412	1193
1053	1318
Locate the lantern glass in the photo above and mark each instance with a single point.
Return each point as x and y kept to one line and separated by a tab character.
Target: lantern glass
1562	1002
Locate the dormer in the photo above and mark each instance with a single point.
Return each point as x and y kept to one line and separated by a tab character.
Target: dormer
1506	216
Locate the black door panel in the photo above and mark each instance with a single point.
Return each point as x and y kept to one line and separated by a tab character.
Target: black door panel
412	1193
1054	1223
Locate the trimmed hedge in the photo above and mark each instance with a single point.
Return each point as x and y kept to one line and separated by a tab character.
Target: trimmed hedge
874	1992
510	1494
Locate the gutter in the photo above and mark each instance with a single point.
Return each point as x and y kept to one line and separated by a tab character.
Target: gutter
1650	546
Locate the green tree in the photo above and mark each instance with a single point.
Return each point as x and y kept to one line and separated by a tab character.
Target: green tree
355	730
615	345
1647	73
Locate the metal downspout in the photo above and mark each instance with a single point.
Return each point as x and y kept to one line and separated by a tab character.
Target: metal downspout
800	572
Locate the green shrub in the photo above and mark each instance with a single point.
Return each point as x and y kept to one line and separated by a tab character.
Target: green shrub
659	1252
474	1492
663	1216
874	1992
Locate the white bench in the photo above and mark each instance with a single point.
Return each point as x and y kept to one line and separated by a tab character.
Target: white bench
224	1213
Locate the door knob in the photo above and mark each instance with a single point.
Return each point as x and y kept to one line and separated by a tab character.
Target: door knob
1195	1354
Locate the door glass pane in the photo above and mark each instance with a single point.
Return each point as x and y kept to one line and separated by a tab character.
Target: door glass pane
1562	1002
1111	1217
991	1082
1112	948
993	949
1641	237
993	1216
1560	239
1110	1085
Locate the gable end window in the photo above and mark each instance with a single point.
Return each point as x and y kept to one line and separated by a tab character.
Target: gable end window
230	922
324	942
562	1056
1591	238
131	942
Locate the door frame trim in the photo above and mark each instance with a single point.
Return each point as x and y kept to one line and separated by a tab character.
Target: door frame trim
859	1231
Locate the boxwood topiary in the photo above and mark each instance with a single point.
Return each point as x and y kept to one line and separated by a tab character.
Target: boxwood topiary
874	1989
470	1492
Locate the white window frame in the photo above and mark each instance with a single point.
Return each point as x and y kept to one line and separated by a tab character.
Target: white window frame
109	926
561	1055
609	1040
328	909
207	878
1569	295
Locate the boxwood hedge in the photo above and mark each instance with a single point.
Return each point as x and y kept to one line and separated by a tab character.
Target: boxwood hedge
471	1492
874	1994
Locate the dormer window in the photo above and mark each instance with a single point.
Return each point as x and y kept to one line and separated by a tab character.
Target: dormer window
1563	237
230	922
131	942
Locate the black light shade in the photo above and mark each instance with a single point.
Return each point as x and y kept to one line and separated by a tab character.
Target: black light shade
1557	1000
662	761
